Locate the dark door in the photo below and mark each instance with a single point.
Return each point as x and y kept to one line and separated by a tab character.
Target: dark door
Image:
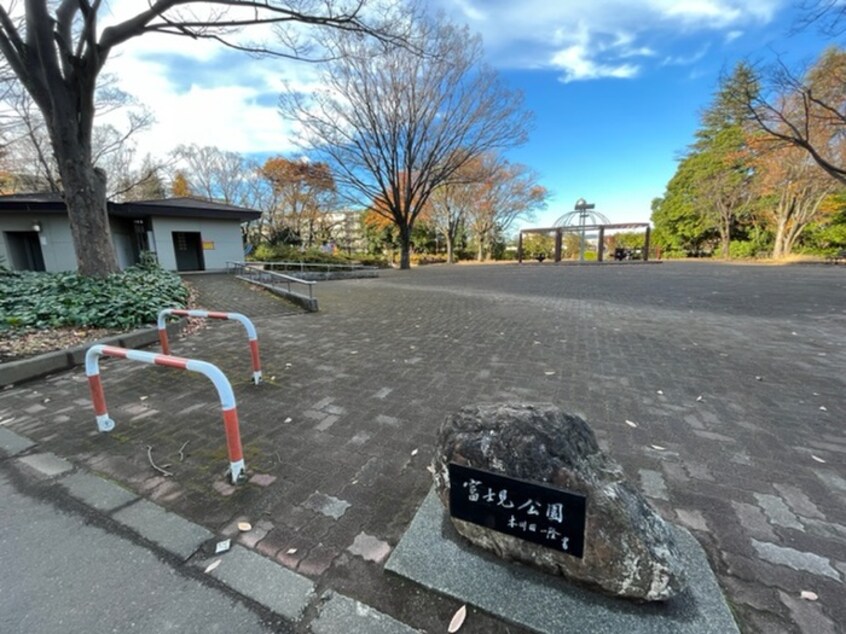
24	250
188	248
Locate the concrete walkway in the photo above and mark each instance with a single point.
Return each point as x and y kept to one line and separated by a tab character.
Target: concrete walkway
720	389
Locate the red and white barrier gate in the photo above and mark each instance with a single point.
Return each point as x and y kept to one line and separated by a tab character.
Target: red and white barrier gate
224	391
205	314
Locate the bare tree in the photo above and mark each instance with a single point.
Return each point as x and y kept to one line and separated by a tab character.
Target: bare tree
29	153
807	111
57	52
216	174
393	124
449	206
507	191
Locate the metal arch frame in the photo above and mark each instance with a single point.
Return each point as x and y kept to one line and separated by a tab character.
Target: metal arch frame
210	371
252	335
559	231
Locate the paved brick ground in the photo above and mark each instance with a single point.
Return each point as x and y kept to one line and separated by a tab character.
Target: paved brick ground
733	376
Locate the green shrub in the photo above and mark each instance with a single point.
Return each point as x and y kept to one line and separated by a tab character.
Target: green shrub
742	249
123	300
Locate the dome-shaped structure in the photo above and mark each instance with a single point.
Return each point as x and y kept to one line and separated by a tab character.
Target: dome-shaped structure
573	218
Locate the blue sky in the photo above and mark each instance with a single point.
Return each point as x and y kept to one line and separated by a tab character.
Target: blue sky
616	86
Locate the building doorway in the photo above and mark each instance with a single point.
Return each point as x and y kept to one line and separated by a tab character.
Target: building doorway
24	249
188	248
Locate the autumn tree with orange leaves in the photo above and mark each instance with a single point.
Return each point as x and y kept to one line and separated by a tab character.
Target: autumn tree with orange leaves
793	190
304	194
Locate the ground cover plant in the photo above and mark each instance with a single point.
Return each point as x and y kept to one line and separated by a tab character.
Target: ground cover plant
123	300
41	312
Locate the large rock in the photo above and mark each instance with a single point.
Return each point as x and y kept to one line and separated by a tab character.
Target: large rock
628	549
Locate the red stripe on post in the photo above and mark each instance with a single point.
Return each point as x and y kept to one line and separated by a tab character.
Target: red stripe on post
218	315
254	353
97	396
233	435
163	340
171	362
115	352
178	312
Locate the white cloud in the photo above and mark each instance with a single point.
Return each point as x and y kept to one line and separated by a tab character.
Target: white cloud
217	97
577	65
686	60
592	40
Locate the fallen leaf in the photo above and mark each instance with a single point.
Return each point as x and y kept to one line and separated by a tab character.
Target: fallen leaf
291	551
245	527
289	419
143	398
414	453
699	398
431	469
759	378
549	373
353	351
212	566
658	447
818	459
823	408
808	595
457	619
273	378
661	392
631	423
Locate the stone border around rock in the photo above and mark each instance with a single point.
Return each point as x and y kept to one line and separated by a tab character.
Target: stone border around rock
15	372
432	554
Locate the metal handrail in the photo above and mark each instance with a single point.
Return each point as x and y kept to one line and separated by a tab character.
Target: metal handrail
253	272
290	265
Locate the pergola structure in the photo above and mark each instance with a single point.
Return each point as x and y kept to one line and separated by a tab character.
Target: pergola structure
602	228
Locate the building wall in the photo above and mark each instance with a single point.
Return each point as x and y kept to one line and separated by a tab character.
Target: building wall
123	240
59	254
55	237
224	234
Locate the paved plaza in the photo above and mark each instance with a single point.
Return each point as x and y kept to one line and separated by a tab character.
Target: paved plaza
719	388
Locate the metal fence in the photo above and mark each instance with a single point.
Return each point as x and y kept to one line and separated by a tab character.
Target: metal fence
292	288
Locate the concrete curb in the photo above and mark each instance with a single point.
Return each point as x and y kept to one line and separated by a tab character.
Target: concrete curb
15	372
244	571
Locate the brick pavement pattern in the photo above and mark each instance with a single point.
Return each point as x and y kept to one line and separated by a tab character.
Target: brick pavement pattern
720	389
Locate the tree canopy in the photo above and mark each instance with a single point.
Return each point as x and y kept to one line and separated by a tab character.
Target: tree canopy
395	123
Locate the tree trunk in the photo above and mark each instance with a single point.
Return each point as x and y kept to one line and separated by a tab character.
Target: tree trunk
405	247
726	239
85	196
778	247
450	256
